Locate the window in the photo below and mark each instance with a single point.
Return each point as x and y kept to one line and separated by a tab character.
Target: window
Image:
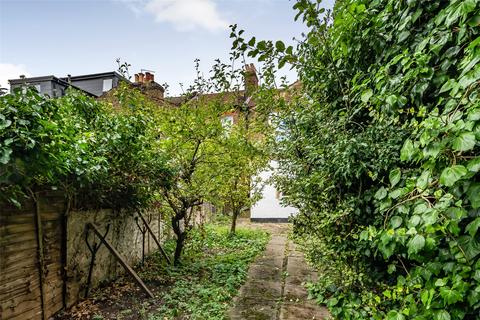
107	84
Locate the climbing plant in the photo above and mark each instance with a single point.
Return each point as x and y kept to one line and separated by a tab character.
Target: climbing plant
100	155
380	154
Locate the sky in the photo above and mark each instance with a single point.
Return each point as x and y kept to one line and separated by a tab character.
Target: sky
60	37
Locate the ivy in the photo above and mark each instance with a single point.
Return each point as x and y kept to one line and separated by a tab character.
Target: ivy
381	155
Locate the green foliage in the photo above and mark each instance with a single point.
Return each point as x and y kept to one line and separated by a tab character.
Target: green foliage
215	265
380	154
100	156
243	156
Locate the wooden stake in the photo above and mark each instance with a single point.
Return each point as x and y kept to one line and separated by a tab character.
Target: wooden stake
121	260
164	254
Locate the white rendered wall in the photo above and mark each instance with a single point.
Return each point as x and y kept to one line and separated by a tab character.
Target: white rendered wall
269	206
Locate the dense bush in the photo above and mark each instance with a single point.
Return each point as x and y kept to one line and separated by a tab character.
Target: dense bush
99	155
380	153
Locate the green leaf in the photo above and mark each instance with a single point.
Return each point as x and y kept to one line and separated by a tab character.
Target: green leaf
450	296
366	95
395	315
415	220
5	155
473	195
452	174
381	193
422	181
474	165
464	142
4	123
280	46
395	222
403	35
252	42
468	6
473	226
416	244
391	268
262	45
408	150
426	296
394	176
442	315
440	282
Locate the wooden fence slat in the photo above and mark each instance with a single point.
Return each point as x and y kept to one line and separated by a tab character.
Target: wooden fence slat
41	264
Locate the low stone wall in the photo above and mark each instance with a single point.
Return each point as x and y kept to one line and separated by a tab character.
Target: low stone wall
124	234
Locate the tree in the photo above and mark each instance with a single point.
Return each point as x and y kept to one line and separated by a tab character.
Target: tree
188	136
243	157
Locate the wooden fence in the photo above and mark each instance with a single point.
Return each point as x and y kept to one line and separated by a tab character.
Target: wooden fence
44	259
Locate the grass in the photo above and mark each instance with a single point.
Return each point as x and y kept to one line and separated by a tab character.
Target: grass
214	266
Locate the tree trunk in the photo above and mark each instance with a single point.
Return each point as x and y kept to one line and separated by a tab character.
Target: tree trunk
235	215
180	238
179	249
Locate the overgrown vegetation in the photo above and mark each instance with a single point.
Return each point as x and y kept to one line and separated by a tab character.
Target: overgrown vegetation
380	154
81	146
215	265
126	152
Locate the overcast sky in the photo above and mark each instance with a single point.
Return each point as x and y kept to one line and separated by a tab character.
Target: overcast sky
60	37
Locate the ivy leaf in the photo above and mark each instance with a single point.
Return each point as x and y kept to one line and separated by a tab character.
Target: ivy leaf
464	142
440	282
422	181
473	195
4	123
450	296
473	226
395	315
474	165
5	155
408	150
416	244
394	176
452	174
442	315
366	95
468	6
381	193
395	222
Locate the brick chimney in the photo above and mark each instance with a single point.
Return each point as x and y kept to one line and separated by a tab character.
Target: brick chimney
149	77
137	78
141	77
250	77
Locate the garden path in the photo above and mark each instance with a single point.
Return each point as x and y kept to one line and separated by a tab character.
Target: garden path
274	289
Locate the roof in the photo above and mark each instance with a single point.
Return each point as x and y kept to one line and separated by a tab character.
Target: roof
97	75
47	78
38	79
230	96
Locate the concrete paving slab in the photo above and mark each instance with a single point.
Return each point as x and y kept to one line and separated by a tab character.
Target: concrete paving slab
274	288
